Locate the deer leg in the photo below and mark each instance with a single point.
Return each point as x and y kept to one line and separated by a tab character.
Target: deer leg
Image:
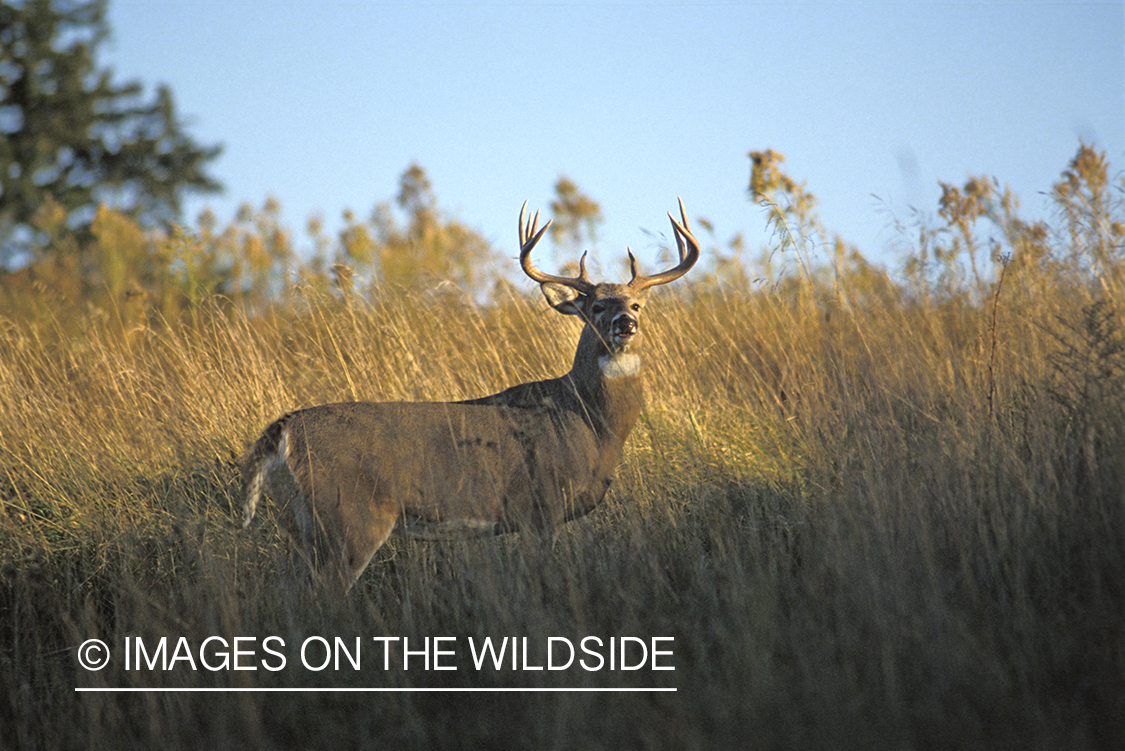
361	542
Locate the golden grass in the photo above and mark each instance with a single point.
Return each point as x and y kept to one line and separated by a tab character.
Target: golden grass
848	549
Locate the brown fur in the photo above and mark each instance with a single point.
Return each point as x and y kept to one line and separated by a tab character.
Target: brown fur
529	458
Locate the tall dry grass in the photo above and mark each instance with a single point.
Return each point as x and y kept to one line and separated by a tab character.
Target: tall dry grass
870	515
849	550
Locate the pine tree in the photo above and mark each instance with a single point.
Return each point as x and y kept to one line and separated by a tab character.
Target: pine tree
71	136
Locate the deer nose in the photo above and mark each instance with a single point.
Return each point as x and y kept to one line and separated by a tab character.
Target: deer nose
625	326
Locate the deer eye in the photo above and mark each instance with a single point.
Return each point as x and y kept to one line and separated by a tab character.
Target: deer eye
598	308
635	307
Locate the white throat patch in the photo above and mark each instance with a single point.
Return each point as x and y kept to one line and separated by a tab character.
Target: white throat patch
621	366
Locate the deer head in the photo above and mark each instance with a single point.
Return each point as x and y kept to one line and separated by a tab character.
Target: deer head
611	311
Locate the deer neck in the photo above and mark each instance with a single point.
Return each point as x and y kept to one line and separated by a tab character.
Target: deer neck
610	384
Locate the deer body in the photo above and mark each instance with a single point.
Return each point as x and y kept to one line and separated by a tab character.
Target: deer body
528	458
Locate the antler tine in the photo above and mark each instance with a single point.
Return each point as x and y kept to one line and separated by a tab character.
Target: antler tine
682	227
528	238
688	248
527	231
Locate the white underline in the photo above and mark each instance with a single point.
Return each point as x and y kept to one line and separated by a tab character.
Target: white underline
368	690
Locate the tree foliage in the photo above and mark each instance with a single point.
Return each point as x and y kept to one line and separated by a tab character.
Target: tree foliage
120	267
791	213
73	138
574	215
425	250
981	229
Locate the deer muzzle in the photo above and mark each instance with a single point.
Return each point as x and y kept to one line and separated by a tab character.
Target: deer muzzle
623	330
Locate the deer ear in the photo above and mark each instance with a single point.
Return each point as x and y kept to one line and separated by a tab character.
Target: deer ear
562	298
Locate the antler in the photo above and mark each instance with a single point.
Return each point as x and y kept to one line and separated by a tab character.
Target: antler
528	238
689	254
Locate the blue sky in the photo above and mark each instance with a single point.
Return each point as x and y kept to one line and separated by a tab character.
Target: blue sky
323	105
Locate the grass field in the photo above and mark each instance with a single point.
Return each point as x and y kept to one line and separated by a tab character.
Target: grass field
866	519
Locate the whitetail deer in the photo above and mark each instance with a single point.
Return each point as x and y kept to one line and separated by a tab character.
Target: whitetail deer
528	458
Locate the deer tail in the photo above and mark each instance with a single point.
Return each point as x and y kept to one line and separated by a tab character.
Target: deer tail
268	451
